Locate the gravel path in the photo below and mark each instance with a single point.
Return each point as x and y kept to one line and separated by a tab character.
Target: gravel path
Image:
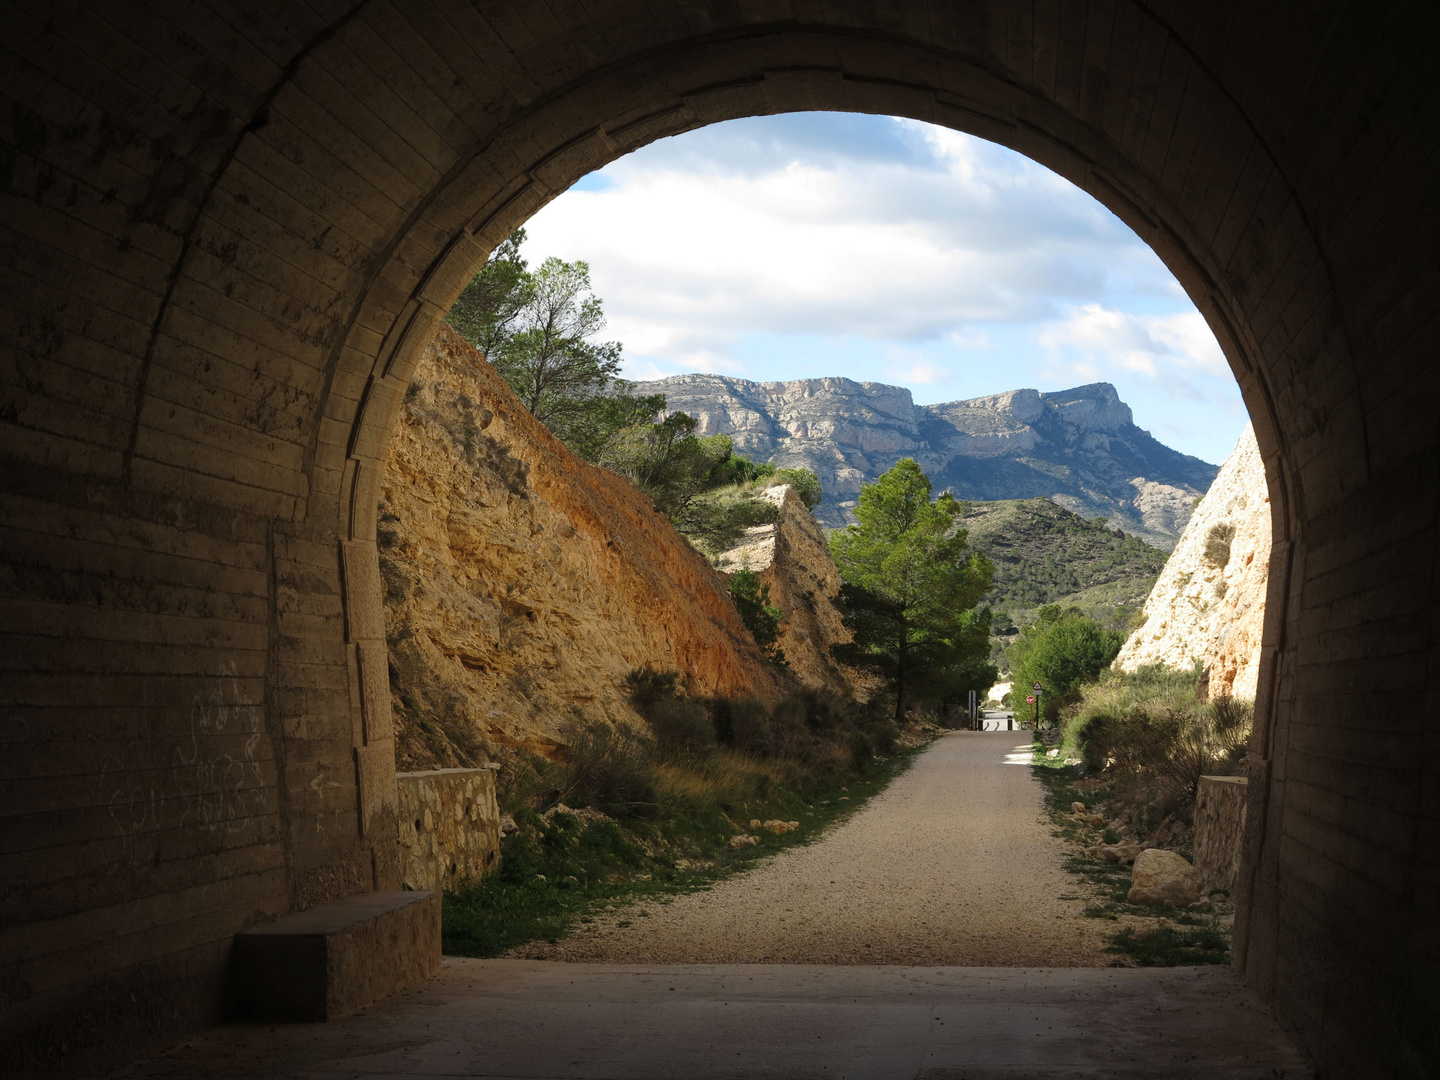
953	864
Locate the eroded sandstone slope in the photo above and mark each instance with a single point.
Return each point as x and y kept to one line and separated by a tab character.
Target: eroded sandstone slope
524	583
1209	602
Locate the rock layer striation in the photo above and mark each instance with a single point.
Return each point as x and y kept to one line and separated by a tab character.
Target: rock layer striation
523	583
792	559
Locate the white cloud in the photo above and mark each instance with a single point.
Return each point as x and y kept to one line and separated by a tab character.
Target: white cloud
815	244
689	260
1176	350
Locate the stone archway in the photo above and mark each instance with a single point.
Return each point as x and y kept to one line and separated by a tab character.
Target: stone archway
232	233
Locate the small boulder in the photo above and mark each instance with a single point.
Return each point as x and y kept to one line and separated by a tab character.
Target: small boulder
1095	821
1119	853
1163	877
737	842
778	827
508	826
1077	808
754	823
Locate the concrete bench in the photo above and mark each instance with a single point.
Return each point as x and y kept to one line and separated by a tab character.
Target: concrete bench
338	957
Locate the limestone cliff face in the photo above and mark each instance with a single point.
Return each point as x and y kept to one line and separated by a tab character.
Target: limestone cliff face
1209	603
792	558
1079	447
523	583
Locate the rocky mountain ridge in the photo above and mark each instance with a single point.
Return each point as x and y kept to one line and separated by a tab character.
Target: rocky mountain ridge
1079	447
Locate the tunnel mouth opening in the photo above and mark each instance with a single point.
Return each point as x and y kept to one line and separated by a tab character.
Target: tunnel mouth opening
516	609
218	310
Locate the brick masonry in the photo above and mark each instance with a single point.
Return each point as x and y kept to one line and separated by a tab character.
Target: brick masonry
229	228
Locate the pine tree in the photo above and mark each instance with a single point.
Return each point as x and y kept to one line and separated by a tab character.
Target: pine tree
910	590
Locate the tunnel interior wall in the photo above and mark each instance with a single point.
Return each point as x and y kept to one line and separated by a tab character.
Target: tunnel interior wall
229	231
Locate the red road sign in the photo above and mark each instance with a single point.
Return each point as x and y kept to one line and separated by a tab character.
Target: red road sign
1030	700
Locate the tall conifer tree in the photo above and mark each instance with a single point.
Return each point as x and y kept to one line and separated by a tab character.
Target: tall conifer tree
910	590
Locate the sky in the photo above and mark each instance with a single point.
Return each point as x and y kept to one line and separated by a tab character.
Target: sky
885	250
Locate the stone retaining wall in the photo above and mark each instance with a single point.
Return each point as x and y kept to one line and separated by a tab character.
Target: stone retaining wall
449	826
1220	829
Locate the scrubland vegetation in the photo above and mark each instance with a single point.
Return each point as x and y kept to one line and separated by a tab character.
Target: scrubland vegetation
1148	738
1045	554
633	812
1132	748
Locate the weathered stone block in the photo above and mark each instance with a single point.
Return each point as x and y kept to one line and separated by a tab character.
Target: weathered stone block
1220	829
449	827
338	957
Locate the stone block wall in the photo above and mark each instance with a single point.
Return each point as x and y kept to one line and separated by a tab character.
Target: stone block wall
449	827
1220	829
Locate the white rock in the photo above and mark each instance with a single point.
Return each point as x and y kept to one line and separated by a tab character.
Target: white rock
1163	877
1214	613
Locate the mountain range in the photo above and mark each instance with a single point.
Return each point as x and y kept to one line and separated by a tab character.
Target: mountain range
1079	447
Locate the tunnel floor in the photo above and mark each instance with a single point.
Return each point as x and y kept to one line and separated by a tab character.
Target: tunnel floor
539	1019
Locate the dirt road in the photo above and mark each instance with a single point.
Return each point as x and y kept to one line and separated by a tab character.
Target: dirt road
953	864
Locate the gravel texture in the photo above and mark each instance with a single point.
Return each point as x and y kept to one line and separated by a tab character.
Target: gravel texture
953	864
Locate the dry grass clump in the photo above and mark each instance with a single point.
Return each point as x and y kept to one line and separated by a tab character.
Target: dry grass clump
1149	738
656	808
699	757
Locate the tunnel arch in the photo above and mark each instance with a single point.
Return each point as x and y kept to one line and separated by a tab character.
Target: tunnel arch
266	217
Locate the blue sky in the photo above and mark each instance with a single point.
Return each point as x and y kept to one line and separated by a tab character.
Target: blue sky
885	250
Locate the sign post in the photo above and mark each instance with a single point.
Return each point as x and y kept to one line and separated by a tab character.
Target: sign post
1036	700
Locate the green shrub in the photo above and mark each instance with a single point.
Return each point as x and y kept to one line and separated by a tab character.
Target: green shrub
804	481
1061	651
1217	543
680	726
744	724
1149	734
611	770
752	601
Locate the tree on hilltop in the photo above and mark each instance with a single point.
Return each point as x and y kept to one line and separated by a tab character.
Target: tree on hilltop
537	328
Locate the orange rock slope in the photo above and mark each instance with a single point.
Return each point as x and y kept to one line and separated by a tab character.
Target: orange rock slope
524	583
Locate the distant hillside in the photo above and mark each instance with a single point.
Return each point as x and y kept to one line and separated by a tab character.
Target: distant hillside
1078	447
1046	554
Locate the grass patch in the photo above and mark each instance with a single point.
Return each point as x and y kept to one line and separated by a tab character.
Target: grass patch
561	868
1171	946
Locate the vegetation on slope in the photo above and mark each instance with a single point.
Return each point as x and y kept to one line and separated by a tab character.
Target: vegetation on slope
1045	554
632	814
1132	749
537	327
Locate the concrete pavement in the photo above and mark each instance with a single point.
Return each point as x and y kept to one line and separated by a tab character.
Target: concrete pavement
548	1021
